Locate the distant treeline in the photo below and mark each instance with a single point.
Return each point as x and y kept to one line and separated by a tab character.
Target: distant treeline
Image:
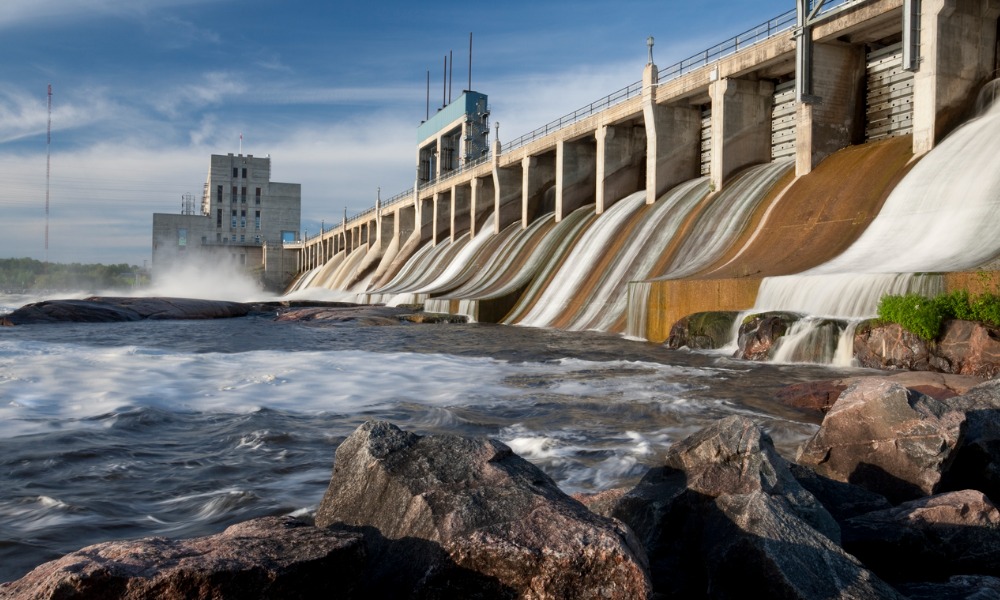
22	274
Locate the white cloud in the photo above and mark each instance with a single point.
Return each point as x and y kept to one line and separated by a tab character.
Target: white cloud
24	12
23	114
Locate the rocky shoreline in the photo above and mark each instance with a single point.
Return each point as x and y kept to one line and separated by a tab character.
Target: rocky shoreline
893	497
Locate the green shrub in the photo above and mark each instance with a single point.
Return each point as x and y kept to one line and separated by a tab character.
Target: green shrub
923	316
986	308
913	312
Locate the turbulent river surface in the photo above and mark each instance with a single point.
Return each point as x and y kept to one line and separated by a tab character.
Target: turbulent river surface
181	428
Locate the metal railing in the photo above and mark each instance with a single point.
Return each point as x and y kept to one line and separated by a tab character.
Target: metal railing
760	33
462	168
577	115
765	31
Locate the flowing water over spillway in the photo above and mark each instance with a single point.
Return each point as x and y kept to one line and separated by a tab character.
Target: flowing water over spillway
180	428
943	216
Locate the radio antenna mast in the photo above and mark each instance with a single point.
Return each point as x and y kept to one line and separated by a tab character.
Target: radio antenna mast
48	169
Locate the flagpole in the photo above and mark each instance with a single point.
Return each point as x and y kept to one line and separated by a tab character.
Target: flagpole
241	143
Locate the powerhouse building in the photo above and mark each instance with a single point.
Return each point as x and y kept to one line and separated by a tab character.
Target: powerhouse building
245	222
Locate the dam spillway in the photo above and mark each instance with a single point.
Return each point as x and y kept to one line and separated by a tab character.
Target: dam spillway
769	157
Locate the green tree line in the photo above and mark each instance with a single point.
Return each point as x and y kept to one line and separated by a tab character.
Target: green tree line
19	274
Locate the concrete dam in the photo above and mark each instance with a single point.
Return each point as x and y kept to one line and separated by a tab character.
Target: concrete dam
830	155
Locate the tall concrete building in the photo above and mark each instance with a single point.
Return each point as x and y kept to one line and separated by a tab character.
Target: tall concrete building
244	223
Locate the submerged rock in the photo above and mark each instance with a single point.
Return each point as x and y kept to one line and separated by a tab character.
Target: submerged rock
272	557
446	515
703	331
821	395
98	309
759	334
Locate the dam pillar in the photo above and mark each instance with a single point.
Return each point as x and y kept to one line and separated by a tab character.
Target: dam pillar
621	153
958	53
441	218
576	175
741	126
425	217
673	140
507	197
539	176
481	201
404	222
829	119
460	210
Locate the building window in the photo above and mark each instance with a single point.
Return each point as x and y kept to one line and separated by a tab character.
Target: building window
234	219
218	194
243	238
236	172
182	237
287	236
218	217
244	172
256	238
233	199
257	197
218	237
243	218
243	195
256	219
234	237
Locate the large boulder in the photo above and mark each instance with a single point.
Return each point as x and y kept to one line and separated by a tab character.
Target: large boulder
969	348
888	439
753	542
957	533
725	502
451	515
272	557
890	347
962	347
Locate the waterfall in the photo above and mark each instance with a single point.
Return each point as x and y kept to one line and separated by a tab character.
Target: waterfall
563	290
564	238
718	224
638	309
606	303
840	295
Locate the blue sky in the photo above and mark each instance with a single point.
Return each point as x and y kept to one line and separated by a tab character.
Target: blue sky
145	90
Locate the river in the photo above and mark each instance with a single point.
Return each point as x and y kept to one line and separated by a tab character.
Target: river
181	428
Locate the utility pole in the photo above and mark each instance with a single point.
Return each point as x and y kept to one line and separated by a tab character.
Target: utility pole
48	168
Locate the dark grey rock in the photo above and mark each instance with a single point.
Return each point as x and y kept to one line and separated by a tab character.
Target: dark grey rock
753	542
673	509
458	512
115	309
